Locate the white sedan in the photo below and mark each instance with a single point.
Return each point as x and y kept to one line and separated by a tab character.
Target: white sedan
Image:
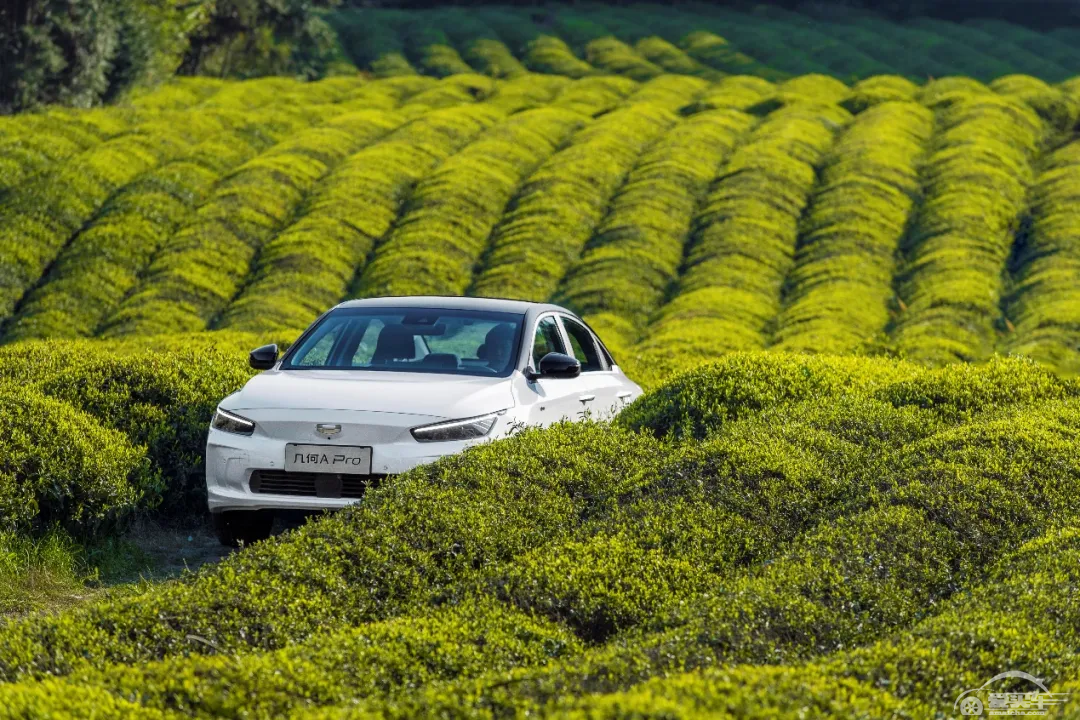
376	387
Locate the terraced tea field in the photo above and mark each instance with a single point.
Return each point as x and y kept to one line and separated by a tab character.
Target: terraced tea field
643	41
854	508
684	217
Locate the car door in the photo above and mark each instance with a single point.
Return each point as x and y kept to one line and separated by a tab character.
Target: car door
599	386
549	400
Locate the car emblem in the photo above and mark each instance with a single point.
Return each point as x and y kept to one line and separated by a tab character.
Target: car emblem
327	430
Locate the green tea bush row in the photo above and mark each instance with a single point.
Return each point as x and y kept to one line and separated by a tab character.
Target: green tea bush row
843	583
95	271
636	251
976	180
841	284
1024	616
35	142
743	242
161	400
442	527
310	265
469	638
1048	46
1044	305
41	216
595	96
563	201
1055	106
673	59
614	56
203	267
444	228
59	466
550	54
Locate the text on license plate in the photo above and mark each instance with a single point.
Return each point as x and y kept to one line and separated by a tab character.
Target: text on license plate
328	459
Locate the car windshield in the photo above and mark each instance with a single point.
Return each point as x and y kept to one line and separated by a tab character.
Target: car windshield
424	340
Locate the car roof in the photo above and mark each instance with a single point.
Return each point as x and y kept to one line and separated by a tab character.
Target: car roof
521	307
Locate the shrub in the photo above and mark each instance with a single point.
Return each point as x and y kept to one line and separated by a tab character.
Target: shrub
563	201
203	267
356	206
1043	303
635	253
444	228
162	402
743	243
976	181
377	659
700	401
612	55
59	466
838	292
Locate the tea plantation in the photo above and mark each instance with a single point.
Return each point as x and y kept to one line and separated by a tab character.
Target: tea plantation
848	274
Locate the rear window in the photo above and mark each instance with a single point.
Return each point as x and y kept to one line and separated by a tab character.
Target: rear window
426	340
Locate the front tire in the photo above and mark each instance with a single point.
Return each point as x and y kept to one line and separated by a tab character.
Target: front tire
243	527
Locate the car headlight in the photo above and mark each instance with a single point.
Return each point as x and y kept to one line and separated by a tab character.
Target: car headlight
230	423
467	429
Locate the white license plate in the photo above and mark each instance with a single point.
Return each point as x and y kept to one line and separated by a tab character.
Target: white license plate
328	459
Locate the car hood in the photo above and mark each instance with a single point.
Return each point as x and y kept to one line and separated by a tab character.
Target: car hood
443	396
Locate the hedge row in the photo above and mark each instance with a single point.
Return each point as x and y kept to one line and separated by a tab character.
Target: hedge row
310	265
103	262
976	180
1044	303
468	638
444	228
743	243
851	579
770	42
58	466
563	201
203	267
839	290
897	471
593	97
636	251
38	218
160	400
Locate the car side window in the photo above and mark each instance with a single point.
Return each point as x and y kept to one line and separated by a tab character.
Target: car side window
583	345
548	339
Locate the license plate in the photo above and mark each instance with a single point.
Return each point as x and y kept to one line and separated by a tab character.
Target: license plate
328	459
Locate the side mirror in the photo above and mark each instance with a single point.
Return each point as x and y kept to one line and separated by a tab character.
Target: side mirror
557	365
263	358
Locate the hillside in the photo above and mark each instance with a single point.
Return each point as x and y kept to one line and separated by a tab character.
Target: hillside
810	235
706	40
772	536
683	217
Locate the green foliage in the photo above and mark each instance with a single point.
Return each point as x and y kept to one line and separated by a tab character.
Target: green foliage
564	200
635	253
743	242
161	401
1043	303
297	277
977	177
837	294
59	466
444	228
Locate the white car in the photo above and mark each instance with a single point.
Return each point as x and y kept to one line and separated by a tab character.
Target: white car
376	387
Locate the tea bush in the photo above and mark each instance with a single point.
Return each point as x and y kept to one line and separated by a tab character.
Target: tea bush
950	282
1043	301
839	290
59	466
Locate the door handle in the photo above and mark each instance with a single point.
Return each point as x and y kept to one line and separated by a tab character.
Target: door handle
586	398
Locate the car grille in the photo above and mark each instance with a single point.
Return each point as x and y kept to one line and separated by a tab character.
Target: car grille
322	485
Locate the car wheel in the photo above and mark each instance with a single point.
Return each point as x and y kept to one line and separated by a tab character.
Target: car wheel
244	527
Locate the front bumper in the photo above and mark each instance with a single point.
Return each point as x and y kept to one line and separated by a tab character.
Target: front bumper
231	460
